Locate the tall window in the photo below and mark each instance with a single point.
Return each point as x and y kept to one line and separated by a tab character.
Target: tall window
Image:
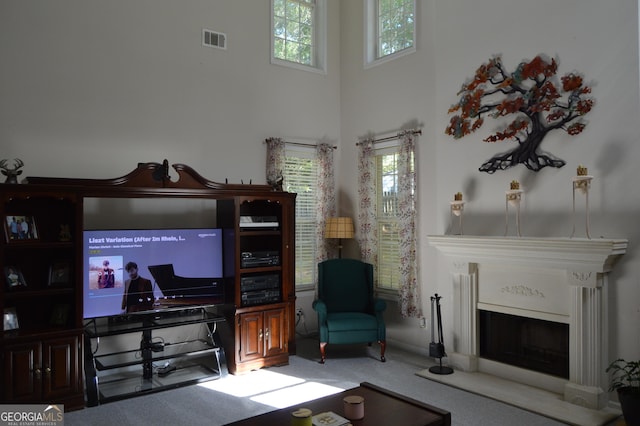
387	227
388	271
390	29
298	33
300	177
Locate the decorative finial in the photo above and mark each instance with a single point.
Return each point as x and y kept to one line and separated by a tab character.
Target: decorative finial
582	170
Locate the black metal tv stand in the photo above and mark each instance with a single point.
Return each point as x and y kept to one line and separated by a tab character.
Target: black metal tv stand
152	364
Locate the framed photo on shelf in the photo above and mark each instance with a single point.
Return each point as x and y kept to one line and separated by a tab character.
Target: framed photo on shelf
60	273
60	314
64	233
13	277
20	228
10	319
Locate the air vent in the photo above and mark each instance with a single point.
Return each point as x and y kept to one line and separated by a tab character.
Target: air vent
214	39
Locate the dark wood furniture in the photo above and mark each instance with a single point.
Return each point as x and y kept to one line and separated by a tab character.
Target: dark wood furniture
42	360
381	408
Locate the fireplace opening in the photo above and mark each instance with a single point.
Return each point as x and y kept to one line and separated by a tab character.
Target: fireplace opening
530	343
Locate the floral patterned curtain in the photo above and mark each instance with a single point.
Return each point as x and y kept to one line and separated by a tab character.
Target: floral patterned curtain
325	194
326	201
367	230
409	289
275	159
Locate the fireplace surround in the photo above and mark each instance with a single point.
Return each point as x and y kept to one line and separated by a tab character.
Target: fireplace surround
561	280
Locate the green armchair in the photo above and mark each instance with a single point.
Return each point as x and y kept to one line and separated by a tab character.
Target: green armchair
347	310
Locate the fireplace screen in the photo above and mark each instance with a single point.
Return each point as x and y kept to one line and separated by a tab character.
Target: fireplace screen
530	343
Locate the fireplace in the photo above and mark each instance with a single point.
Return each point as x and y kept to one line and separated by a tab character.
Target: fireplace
530	343
549	294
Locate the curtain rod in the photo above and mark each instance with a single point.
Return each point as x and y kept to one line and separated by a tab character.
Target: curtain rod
312	145
390	138
307	144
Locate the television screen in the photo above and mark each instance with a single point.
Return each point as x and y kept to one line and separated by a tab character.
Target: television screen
129	271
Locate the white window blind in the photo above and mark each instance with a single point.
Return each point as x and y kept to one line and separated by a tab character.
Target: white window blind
388	272
300	177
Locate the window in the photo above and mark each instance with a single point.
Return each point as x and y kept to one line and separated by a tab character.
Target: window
300	177
390	30
298	33
388	269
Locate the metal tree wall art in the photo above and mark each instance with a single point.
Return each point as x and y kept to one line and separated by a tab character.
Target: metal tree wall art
540	104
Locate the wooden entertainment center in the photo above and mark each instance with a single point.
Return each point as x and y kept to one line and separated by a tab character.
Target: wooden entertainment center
43	351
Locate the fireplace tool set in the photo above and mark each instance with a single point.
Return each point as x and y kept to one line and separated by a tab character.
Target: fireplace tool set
436	349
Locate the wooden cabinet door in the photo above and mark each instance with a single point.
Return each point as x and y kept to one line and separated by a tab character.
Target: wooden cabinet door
275	332
23	372
60	367
251	336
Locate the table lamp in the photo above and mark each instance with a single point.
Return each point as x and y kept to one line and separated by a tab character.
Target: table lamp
340	228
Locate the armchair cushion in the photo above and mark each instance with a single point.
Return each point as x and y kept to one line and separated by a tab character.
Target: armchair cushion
351	321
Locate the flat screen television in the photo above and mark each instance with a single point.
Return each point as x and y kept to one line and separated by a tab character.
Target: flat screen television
184	267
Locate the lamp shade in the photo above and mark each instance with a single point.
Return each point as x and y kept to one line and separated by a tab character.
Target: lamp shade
339	227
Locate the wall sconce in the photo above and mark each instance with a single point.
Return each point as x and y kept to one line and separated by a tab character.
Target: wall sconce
340	228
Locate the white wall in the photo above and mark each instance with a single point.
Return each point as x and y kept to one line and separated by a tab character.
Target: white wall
91	88
455	37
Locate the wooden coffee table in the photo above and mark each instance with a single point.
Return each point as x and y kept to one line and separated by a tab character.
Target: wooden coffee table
381	408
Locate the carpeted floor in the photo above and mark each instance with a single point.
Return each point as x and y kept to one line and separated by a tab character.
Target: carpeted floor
232	398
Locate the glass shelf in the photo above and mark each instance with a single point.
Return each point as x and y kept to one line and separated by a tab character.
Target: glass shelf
110	326
169	351
131	383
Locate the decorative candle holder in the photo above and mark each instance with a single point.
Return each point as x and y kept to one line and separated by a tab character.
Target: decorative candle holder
582	184
457	208
513	198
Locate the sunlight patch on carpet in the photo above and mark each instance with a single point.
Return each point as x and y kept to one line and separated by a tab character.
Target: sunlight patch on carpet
270	388
253	383
293	395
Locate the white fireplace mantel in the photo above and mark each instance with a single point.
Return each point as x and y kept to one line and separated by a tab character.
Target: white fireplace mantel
559	279
579	254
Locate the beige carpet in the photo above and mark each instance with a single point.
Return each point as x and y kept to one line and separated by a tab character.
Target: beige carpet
526	397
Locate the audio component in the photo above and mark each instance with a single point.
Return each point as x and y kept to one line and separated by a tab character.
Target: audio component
253	259
259	282
260	297
260	222
260	289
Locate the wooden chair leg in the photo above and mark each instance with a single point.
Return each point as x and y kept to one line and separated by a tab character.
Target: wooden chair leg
383	347
323	354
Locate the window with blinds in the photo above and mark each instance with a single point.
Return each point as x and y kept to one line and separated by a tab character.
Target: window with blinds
388	270
300	177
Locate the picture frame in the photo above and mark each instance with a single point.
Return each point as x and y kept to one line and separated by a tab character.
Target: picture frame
10	319
60	273
14	278
20	228
64	232
60	314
